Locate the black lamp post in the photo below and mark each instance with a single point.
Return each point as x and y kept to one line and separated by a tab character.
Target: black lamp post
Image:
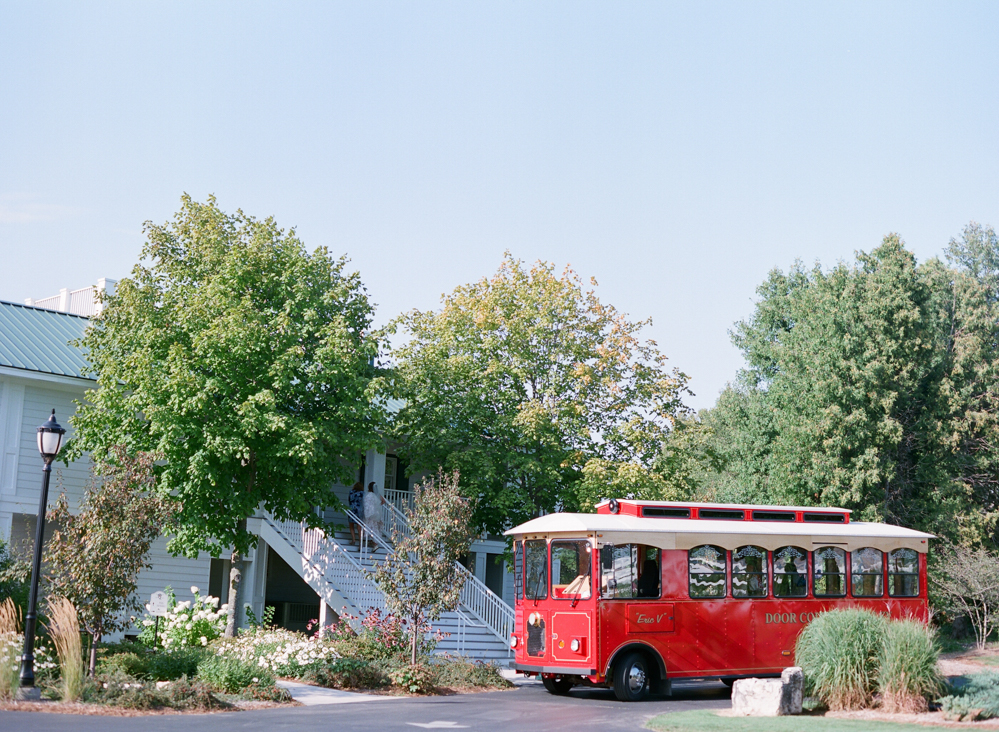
49	441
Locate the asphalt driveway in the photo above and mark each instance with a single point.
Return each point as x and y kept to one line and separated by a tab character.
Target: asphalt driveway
526	708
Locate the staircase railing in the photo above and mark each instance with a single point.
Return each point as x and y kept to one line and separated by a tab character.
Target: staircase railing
482	602
330	561
464	622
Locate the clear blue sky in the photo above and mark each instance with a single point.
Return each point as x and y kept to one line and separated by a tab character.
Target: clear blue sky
675	152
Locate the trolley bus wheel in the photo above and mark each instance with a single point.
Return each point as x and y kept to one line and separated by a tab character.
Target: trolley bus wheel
631	678
556	684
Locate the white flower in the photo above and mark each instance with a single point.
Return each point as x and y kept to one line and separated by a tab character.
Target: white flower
255	680
147	623
183	641
204	641
194	589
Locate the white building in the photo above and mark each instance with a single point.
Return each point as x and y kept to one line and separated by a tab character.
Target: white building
302	574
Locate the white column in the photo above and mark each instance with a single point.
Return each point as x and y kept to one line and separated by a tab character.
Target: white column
105	285
327	616
64	300
480	566
6	524
374	470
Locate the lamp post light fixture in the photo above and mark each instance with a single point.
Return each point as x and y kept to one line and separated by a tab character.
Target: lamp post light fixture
49	441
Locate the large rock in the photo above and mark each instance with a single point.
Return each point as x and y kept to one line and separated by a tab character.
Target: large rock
769	697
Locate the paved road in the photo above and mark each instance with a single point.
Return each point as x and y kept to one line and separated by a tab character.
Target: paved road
528	707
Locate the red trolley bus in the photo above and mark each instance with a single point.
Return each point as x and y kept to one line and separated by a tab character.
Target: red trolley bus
644	592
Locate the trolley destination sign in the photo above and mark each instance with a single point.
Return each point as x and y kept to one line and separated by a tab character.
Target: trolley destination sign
644	592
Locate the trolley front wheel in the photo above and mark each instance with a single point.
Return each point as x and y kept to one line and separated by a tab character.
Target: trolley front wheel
631	678
557	684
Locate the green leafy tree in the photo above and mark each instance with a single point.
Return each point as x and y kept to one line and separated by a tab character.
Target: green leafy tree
966	582
870	386
418	579
243	360
521	380
95	554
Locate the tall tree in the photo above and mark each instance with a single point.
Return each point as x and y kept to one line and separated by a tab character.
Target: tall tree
243	360
521	380
95	554
873	387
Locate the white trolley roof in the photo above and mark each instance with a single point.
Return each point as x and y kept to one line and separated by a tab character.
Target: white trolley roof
672	533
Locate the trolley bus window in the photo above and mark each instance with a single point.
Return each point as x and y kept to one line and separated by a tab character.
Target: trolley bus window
903	573
518	569
830	571
629	571
536	570
707	571
749	572
571	563
867	567
790	572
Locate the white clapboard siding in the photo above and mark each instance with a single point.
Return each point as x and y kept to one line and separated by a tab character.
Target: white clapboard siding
39	400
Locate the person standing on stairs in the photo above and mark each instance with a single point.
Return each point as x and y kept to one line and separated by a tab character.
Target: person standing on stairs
356	500
373	509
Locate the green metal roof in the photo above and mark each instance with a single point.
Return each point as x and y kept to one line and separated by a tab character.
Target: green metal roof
35	339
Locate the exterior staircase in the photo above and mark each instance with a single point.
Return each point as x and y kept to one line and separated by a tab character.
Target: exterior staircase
336	569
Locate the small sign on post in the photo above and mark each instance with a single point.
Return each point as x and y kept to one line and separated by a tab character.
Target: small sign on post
158	604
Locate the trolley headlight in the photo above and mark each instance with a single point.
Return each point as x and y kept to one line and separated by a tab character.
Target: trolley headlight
574	645
513	641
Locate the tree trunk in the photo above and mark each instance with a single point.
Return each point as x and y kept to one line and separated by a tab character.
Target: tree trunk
415	630
92	666
235	613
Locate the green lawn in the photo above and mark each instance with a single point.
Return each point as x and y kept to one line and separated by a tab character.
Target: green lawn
707	721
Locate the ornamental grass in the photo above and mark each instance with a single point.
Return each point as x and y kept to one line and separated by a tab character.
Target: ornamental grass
10	645
907	667
64	628
838	653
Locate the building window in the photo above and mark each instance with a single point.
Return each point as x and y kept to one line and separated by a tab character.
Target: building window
903	573
790	572
749	572
707	565
829	565
867	572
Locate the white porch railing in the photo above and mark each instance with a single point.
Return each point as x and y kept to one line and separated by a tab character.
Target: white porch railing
482	602
402	500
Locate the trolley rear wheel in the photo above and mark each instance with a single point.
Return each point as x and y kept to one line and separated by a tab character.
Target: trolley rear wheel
631	678
557	684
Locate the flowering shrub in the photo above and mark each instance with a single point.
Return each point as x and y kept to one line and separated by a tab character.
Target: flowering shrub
11	645
381	637
232	675
186	624
277	651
